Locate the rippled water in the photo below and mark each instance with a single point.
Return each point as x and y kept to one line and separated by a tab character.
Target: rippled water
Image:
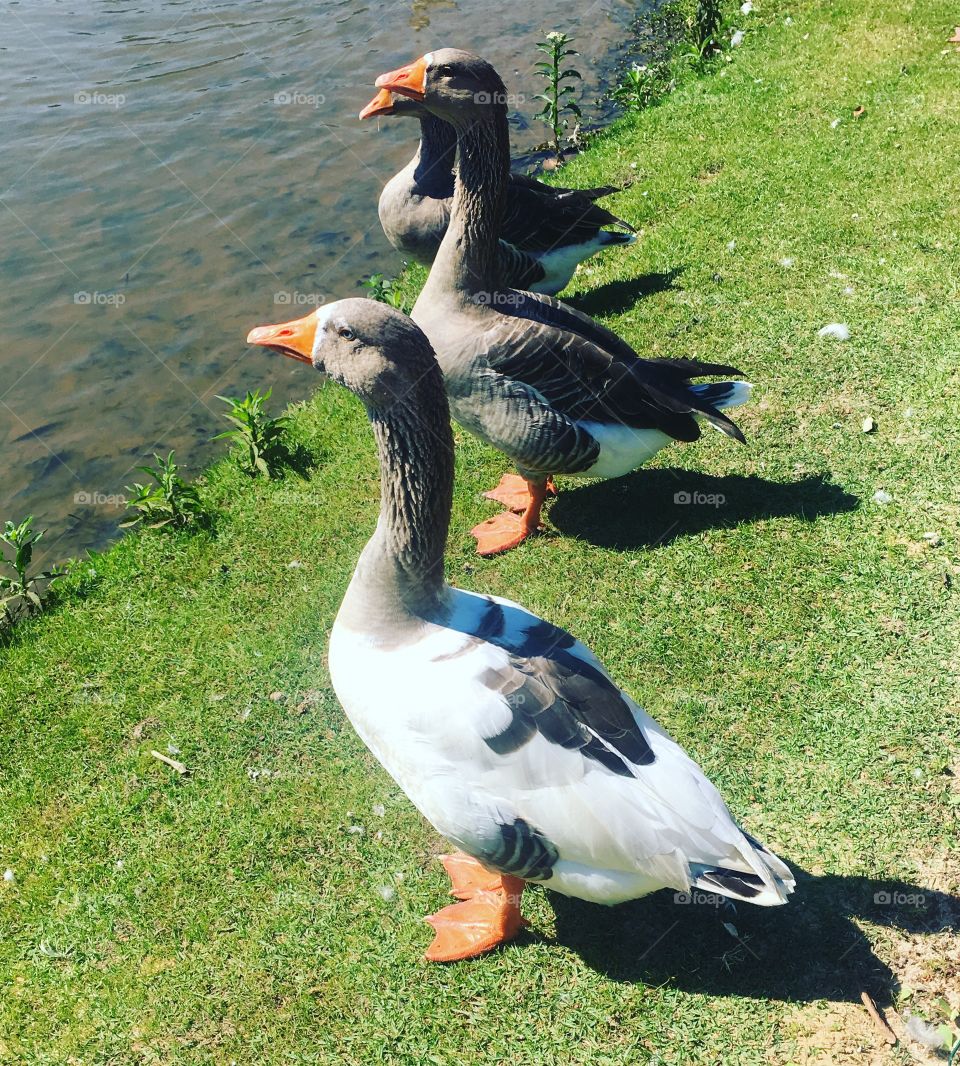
170	170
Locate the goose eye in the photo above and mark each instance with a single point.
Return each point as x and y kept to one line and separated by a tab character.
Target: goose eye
442	71
347	334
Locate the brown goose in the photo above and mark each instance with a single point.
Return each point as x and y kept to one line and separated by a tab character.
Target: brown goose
545	232
547	385
505	732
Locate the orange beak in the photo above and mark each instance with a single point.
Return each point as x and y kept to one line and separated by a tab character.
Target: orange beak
381	104
289	338
410	80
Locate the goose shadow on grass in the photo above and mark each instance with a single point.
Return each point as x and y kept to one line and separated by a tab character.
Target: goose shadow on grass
654	507
809	949
615	296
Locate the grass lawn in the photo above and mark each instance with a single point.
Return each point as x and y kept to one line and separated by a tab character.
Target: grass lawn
798	637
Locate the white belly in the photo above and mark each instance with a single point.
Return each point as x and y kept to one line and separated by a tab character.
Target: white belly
622	448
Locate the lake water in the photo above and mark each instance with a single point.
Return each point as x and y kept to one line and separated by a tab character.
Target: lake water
172	173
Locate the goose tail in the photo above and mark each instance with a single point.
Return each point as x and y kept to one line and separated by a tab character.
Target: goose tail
612	236
764	879
722	394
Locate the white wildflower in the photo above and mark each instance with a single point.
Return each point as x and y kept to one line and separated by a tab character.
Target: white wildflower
786	262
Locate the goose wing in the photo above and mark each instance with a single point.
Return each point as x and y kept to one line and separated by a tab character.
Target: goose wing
560	766
585	372
539	218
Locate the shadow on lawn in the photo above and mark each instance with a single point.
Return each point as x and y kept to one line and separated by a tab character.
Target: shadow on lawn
652	507
810	949
615	296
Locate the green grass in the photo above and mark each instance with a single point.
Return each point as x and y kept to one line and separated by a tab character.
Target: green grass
800	640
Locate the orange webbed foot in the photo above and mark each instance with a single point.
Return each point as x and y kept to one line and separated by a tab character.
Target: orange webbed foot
484	920
468	877
513	492
501	533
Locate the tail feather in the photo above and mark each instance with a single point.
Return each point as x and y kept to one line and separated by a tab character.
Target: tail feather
722	394
767	884
609	236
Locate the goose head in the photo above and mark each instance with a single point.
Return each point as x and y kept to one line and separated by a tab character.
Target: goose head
372	349
455	85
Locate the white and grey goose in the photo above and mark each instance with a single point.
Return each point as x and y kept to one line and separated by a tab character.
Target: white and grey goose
505	731
547	385
545	231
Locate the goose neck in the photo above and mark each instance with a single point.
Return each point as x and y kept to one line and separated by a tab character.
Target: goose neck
400	575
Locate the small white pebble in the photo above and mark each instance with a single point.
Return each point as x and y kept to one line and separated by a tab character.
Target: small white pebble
881	496
737	39
731	246
118	865
836	331
387	892
294	564
786	262
746	7
633	166
379	810
355	830
8	875
869	425
834	123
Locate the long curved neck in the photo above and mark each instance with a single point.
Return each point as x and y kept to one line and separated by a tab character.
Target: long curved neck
399	576
433	170
468	251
